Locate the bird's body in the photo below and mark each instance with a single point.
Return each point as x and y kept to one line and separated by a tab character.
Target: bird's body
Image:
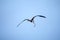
32	19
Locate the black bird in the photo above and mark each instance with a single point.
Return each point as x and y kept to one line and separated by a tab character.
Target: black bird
31	20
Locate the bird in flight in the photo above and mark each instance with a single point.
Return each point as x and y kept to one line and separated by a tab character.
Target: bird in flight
31	20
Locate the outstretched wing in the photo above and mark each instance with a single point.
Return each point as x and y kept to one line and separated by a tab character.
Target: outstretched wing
22	22
38	16
41	16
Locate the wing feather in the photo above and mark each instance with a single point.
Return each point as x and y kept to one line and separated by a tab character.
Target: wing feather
22	22
38	16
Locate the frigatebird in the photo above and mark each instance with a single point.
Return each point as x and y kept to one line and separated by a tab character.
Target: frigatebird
31	20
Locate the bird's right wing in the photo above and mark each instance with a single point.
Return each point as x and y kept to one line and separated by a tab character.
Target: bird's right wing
41	16
21	22
38	16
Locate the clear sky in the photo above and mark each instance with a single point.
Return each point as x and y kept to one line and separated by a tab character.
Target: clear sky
13	12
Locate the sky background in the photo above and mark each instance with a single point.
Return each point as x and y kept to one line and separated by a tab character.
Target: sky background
12	12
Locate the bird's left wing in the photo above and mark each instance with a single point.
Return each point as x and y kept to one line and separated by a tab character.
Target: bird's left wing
21	22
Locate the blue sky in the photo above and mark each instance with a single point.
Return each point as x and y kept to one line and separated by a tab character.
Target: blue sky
14	11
